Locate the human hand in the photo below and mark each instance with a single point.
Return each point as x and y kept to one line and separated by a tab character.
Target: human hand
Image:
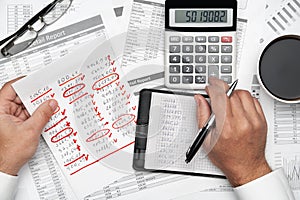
19	133
241	131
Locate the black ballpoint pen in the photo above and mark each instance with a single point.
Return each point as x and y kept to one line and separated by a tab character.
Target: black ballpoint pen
202	133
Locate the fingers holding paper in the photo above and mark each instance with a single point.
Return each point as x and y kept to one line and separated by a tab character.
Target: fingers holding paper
237	143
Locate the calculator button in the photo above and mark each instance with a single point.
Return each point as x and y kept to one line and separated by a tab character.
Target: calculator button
226	49
213	70
200	79
213	49
174	69
200	69
226	39
200	49
200	59
187	59
187	39
175	39
187	48
226	59
187	69
227	79
174	79
187	79
213	59
213	39
226	69
174	48
201	39
174	59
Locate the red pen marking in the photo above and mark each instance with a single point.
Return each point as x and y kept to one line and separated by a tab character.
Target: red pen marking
108	57
130	119
75	134
101	158
114	69
82	78
68	124
52	95
74	141
41	95
98	84
134	108
128	96
115	140
106	123
98	135
122	87
118	83
110	135
74	160
96	109
78	98
98	114
78	147
92	95
86	157
55	138
94	102
128	103
112	63
124	93
63	112
102	120
48	129
81	86
70	79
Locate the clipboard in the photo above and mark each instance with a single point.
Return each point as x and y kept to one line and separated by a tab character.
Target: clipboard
144	135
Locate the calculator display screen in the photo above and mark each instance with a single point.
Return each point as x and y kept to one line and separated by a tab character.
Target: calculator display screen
209	17
201	16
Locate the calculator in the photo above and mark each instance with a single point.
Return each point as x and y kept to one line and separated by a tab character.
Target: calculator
200	41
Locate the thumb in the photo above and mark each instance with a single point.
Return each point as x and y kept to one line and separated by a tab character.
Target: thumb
41	116
203	110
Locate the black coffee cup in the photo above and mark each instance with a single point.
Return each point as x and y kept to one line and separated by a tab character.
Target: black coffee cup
279	69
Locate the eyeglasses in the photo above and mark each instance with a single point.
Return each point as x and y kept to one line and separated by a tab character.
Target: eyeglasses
29	32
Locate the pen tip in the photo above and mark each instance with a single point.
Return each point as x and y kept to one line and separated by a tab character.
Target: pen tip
187	161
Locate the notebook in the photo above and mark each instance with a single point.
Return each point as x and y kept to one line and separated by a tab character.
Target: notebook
166	127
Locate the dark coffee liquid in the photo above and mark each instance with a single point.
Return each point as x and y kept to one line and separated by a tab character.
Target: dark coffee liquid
280	68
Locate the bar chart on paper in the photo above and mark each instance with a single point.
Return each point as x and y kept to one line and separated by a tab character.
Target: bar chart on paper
282	15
